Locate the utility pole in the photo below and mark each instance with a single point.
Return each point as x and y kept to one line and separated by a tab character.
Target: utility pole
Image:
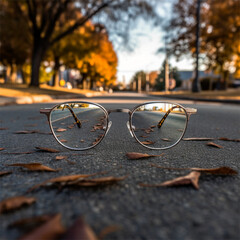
139	84
166	75
147	82
196	85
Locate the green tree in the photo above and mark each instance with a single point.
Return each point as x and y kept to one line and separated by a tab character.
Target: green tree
173	74
219	33
42	16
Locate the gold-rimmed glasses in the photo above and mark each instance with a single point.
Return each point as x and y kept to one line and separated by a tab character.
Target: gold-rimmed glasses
80	125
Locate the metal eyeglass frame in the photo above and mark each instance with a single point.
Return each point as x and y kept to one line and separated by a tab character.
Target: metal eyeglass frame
188	112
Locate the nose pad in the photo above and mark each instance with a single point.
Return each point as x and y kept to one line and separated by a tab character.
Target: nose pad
109	125
128	126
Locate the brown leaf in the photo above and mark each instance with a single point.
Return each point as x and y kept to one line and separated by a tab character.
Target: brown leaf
2	149
63	180
63	140
212	144
197	139
61	157
190	179
229	139
33	167
143	136
30	223
80	230
51	150
47	231
5	173
3	128
107	230
27	132
61	130
218	171
98	181
148	142
166	139
30	125
13	203
136	155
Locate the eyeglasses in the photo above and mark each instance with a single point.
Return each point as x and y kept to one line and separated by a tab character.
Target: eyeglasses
83	125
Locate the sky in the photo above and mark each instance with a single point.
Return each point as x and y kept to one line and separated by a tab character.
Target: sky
148	40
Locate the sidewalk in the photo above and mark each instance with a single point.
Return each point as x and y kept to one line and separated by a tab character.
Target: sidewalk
229	96
21	94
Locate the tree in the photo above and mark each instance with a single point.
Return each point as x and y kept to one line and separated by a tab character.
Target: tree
14	45
139	76
219	33
42	17
173	74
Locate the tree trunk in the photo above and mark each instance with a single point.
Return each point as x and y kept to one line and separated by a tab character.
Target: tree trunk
37	55
56	71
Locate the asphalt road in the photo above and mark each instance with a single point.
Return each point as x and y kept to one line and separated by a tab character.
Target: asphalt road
179	213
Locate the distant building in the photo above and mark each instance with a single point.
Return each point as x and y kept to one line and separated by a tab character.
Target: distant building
187	77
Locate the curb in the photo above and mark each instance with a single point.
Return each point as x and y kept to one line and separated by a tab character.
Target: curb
5	101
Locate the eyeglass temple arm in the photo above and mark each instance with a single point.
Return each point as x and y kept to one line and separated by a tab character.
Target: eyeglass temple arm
188	110
47	111
73	114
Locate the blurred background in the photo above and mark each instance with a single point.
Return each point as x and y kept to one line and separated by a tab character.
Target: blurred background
127	45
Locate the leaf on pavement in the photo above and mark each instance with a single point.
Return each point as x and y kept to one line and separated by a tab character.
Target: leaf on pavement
2	149
148	142
212	144
62	180
197	139
5	173
80	230
60	157
51	150
218	171
30	223
3	128
61	130
166	139
229	139
19	153
27	132
107	230
33	167
136	155
13	203
98	181
47	231
190	179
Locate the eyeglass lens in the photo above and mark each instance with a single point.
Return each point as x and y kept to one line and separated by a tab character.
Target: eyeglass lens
78	125
159	125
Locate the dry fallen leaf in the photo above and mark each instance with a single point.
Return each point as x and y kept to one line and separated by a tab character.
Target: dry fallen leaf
166	139
148	142
97	181
63	180
16	202
30	223
229	139
218	171
27	132
212	144
3	128
47	231
5	173
136	155
61	157
80	230
33	167
190	179
107	230
51	150
61	130
198	139
2	149
19	153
